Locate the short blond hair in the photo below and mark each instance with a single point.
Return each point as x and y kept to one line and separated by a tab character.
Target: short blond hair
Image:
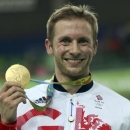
69	12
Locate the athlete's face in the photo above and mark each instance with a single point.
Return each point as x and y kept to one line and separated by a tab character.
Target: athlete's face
73	47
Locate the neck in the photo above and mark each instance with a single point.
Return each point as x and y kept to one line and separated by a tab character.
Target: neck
72	89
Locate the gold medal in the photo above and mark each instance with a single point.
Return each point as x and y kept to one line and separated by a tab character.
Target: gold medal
18	73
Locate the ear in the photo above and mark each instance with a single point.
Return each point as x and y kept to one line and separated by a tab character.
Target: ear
48	46
95	46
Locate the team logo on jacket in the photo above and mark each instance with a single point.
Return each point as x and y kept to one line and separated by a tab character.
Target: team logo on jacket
40	100
99	102
89	122
99	97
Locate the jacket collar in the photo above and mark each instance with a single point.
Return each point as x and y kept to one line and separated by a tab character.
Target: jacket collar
84	88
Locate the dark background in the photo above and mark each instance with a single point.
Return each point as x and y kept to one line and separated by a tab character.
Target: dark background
23	32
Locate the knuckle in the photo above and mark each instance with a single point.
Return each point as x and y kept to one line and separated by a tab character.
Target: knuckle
10	84
22	99
17	94
7	83
19	100
7	101
9	104
13	88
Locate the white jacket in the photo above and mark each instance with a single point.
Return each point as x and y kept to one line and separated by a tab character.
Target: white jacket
99	108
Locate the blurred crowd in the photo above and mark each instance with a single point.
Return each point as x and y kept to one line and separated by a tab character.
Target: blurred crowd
113	51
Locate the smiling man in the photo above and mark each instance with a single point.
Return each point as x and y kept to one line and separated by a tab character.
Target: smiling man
73	48
71	99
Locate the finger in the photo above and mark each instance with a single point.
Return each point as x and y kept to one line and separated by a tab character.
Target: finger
15	89
12	91
16	95
19	100
16	99
8	85
12	104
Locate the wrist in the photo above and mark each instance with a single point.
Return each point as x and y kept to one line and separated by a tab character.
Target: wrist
6	122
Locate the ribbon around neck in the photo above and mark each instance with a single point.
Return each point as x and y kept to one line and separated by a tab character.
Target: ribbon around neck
81	81
50	89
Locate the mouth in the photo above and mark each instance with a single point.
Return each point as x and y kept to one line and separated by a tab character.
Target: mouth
74	60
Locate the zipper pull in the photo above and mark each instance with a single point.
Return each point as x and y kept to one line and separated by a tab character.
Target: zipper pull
71	118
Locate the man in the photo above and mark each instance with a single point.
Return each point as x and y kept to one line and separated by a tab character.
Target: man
78	103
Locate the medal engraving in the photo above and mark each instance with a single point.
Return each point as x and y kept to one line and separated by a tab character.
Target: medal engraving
18	73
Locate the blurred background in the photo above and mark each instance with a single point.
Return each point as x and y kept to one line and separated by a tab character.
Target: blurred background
23	32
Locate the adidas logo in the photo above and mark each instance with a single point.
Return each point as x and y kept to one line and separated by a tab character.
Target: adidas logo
40	100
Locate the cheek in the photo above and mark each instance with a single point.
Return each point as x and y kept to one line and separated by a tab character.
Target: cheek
88	50
60	50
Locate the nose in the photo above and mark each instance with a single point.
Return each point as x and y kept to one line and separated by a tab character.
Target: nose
75	49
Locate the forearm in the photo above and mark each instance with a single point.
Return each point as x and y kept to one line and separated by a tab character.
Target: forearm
11	95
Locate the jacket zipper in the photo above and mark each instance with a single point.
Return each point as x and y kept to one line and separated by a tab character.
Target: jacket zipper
70	117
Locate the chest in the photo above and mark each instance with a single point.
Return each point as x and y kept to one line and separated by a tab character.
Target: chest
83	112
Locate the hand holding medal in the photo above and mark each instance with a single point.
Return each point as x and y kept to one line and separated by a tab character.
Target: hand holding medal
20	74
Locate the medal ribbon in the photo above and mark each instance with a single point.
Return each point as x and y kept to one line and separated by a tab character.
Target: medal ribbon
50	89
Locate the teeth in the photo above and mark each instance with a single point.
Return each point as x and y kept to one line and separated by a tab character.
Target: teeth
74	61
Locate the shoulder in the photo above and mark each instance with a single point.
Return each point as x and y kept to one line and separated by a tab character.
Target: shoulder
115	103
111	94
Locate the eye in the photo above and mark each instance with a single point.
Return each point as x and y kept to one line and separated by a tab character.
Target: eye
83	41
65	41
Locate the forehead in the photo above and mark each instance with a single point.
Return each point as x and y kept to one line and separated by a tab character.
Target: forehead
73	26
